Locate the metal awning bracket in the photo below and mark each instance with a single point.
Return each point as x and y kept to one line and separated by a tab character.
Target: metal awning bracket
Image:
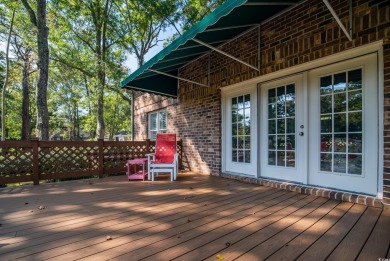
224	53
335	16
176	77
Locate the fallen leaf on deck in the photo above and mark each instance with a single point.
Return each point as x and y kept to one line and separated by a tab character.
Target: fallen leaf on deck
41	207
219	257
108	238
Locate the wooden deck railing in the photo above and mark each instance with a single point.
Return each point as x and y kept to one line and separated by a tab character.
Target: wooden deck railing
23	161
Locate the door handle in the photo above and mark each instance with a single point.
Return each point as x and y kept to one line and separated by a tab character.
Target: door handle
301	133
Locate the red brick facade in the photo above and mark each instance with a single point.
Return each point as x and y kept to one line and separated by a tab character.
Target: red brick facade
386	132
302	34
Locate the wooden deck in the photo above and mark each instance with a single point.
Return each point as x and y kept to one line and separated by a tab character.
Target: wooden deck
194	218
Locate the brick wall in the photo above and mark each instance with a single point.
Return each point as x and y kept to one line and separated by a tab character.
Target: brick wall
386	132
304	33
145	103
197	122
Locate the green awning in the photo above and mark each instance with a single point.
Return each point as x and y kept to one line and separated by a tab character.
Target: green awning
223	24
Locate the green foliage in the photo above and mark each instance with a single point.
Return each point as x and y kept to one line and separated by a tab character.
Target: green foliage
88	46
189	12
195	10
2	68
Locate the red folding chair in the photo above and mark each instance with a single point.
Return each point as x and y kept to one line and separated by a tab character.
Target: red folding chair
165	158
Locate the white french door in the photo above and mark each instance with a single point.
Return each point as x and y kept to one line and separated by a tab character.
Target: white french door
343	109
240	140
282	130
319	127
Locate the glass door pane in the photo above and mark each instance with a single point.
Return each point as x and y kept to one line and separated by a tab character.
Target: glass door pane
241	129
341	120
281	126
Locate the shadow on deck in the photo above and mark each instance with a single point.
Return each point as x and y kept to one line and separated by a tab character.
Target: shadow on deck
194	218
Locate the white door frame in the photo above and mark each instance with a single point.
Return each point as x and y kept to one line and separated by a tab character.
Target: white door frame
376	47
297	173
367	182
227	165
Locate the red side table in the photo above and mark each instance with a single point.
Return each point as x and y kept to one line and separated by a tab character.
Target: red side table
133	173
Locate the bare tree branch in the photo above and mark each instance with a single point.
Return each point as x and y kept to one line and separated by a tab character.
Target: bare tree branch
33	17
64	62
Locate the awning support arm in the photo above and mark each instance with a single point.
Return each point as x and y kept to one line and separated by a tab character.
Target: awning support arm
348	34
224	53
176	77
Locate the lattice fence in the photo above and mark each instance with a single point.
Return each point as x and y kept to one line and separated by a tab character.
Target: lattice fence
116	154
43	160
16	161
68	159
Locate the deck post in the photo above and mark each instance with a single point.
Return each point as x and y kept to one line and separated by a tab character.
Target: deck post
101	157
181	154
35	154
147	144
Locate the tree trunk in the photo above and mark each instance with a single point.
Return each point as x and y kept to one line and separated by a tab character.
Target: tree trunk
43	66
74	119
100	127
78	123
3	134
26	119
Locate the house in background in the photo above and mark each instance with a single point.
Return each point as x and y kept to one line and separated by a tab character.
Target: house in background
121	136
294	91
67	134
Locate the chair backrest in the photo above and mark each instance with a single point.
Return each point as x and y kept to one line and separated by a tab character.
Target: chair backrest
165	147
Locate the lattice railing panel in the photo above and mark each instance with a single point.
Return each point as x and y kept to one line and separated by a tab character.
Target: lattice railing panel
15	161
67	159
117	154
60	159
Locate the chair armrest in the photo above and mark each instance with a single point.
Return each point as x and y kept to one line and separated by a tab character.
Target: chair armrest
150	155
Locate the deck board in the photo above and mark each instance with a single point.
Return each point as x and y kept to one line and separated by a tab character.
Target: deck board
299	244
323	247
120	226
200	235
266	230
351	245
181	249
145	232
378	242
193	218
267	248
